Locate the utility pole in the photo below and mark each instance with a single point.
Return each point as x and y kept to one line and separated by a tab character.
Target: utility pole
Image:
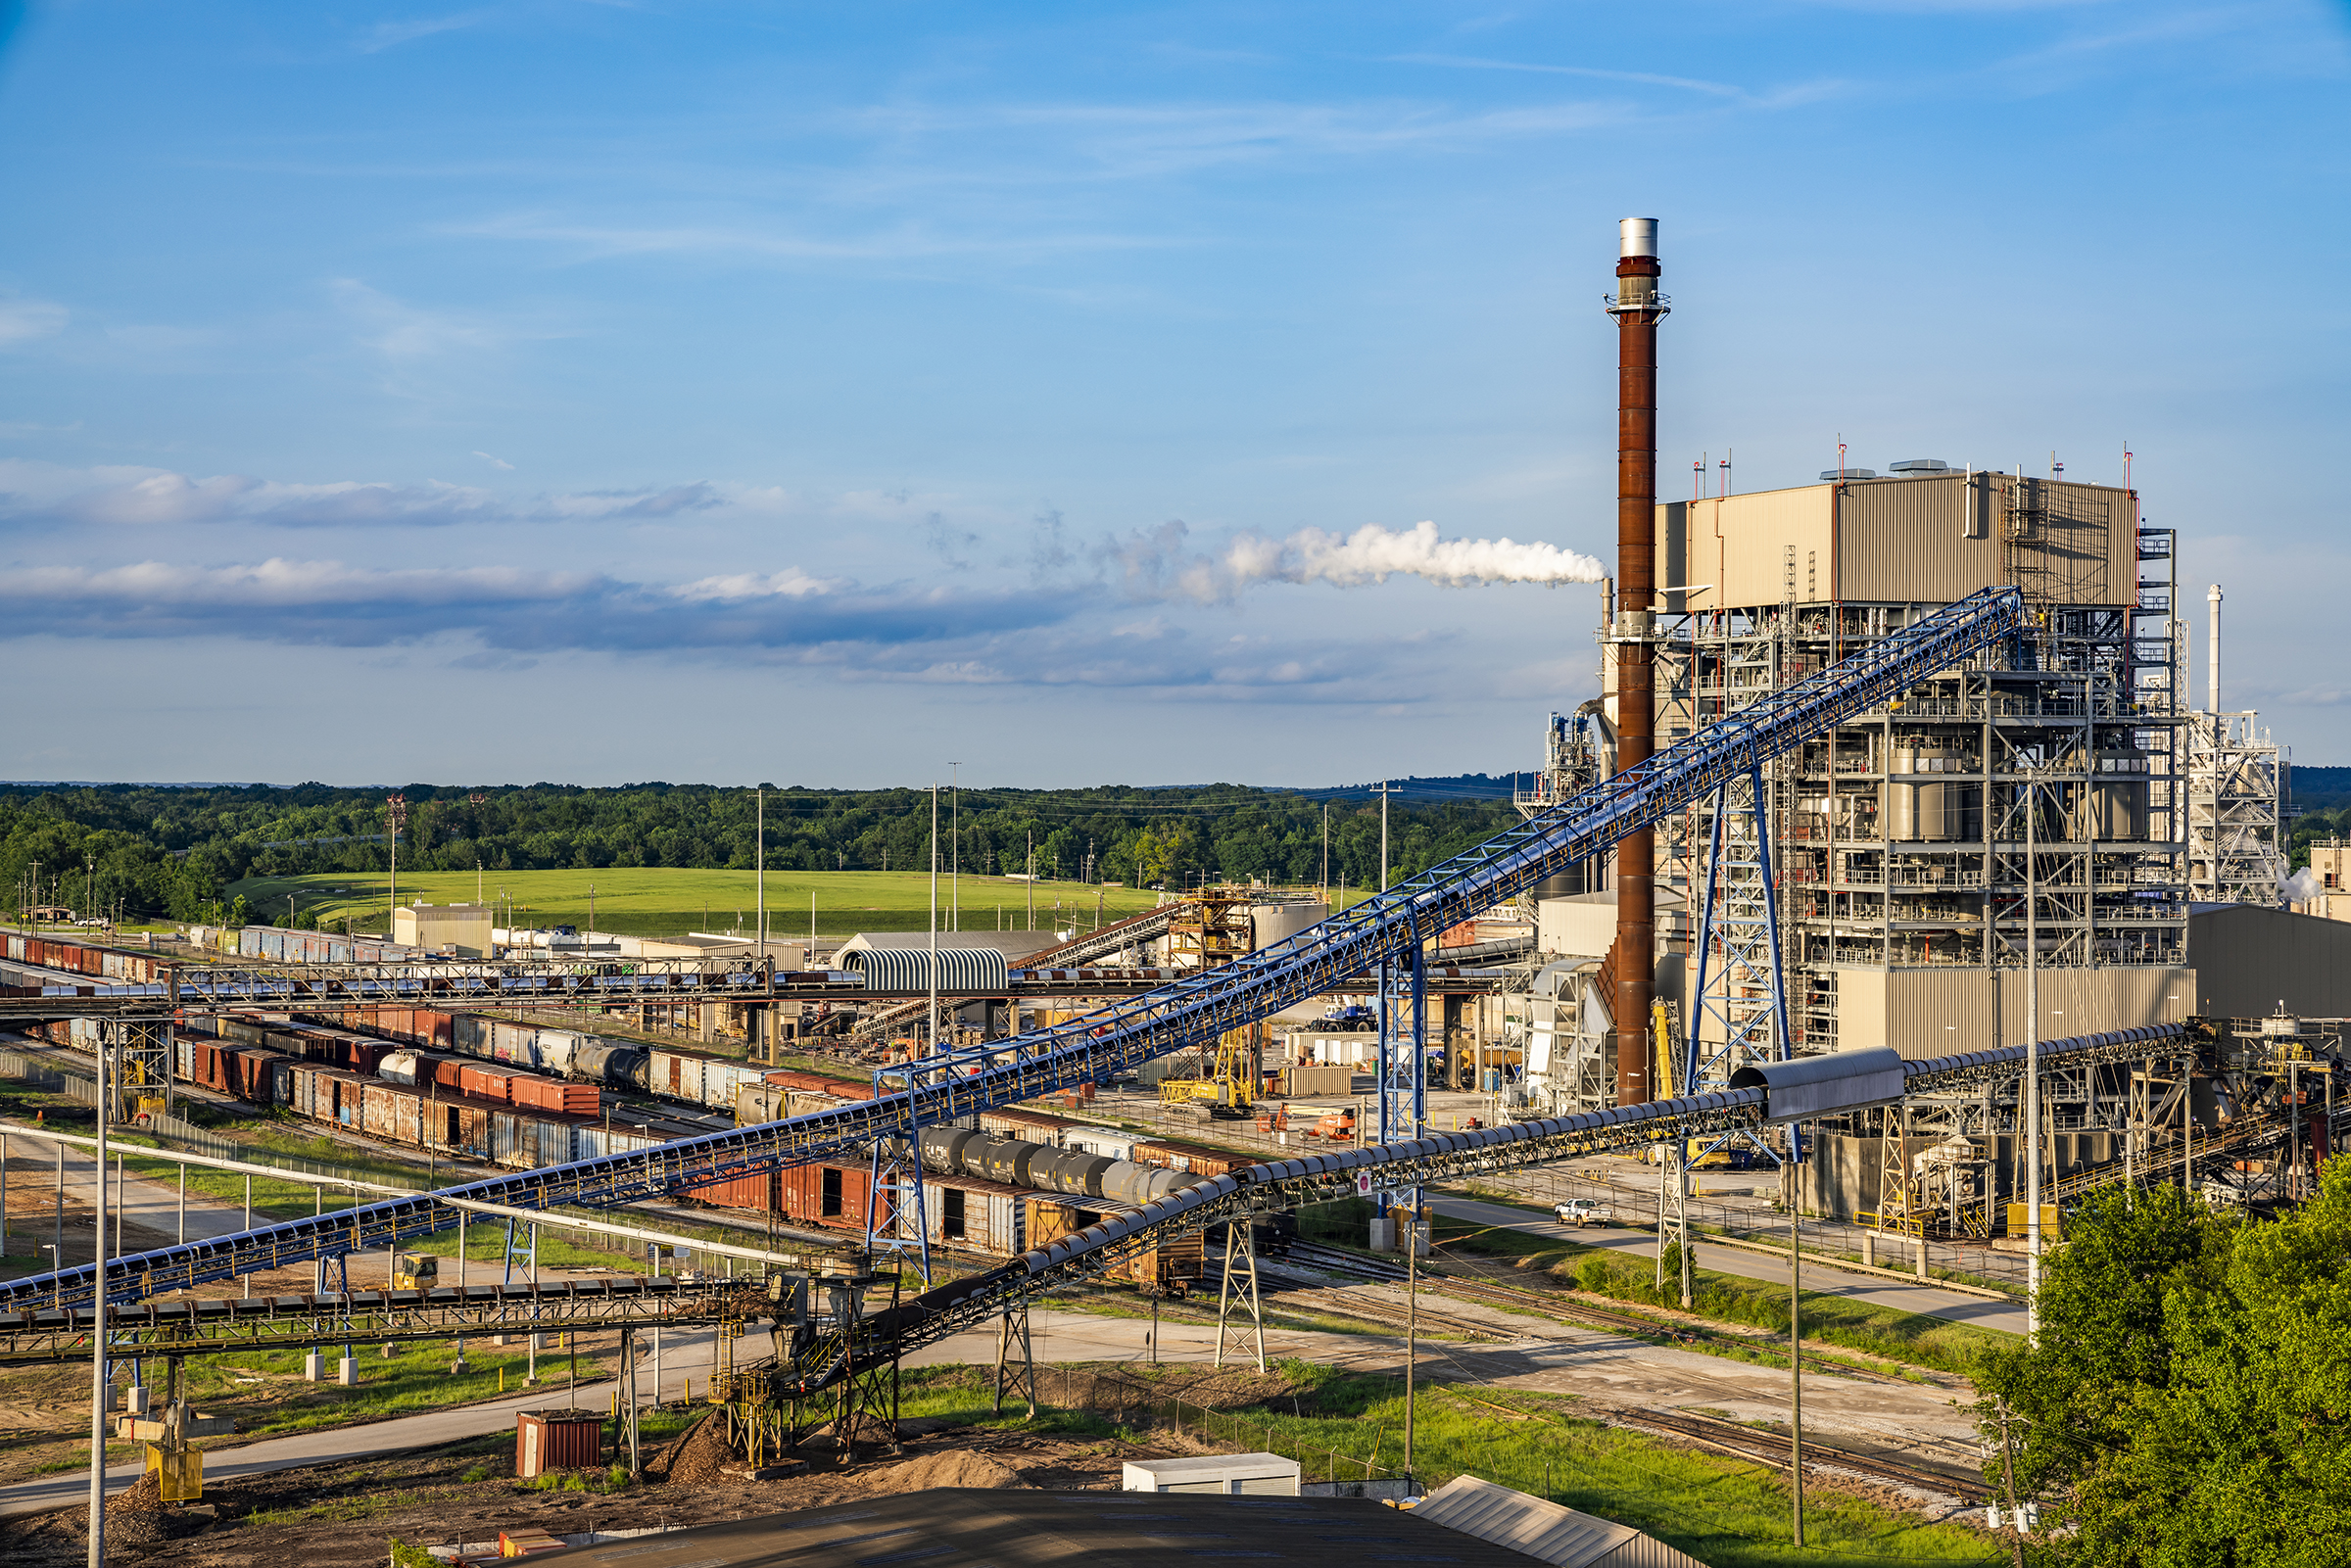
1796	1338
759	862
1386	789
1032	878
1325	855
395	816
933	1047
1412	1324
99	1370
955	847
2032	1104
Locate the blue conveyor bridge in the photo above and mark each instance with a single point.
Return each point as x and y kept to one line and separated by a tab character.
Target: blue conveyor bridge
1186	1014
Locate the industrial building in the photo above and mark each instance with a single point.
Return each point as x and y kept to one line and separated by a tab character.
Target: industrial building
1905	842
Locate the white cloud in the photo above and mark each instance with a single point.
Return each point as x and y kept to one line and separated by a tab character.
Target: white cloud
21	319
392	34
789	583
278	582
495	463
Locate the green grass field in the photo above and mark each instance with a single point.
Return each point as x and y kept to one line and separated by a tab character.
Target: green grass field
669	901
1720	1510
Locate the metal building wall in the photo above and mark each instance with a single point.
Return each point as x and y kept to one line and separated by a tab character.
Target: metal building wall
1926	1013
1889	542
2249	958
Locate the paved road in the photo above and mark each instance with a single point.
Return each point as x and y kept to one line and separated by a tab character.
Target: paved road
1820	1278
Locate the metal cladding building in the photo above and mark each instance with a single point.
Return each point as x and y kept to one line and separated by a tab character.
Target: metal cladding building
1903	843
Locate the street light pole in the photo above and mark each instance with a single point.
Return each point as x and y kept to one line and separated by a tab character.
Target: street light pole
2032	1098
97	1331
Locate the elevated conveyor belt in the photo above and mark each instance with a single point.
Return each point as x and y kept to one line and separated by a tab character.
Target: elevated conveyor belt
968	1302
1187	1012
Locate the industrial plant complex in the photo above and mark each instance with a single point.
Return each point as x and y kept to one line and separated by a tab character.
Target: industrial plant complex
1892	903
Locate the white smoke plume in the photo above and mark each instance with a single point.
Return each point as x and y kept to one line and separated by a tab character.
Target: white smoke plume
2301	888
1157	565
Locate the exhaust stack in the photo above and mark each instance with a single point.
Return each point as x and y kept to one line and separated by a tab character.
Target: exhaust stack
1638	307
2212	652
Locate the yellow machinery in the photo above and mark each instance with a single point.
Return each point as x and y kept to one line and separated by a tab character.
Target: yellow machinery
1229	1088
178	1468
414	1270
1214	928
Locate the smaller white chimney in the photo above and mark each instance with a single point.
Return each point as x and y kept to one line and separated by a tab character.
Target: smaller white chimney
2212	654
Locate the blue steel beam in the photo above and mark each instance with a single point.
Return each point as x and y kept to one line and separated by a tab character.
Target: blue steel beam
1173	1018
1441	1158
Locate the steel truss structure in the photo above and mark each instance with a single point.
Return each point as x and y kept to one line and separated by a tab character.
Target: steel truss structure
1739	999
197	1327
1243	1196
2234	846
1184	1015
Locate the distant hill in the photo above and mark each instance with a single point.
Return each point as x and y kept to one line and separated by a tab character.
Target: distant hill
2318	788
1453	787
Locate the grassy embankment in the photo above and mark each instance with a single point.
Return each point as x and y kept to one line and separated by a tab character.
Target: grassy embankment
669	901
1722	1511
1875	1329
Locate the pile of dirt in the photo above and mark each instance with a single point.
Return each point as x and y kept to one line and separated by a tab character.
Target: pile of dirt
696	1459
951	1468
136	1518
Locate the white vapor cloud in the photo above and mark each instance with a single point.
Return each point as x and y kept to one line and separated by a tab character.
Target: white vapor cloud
1158	565
495	463
40	495
789	583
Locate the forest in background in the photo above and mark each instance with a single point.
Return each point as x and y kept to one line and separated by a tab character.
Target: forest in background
169	852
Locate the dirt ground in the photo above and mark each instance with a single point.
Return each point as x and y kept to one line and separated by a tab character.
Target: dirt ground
339	1516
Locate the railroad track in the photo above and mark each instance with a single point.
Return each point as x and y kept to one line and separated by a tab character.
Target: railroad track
1500	1295
1374	1310
1766	1448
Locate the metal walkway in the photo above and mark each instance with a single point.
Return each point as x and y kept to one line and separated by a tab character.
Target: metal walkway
1188	1013
198	1327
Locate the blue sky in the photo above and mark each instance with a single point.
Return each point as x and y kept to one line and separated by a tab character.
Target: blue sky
598	392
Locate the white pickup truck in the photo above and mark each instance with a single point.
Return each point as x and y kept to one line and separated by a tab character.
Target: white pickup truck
1582	1212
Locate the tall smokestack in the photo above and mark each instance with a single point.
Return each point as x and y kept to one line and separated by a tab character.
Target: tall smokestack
1638	308
2212	653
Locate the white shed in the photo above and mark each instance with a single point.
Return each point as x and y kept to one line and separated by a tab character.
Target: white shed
1255	1475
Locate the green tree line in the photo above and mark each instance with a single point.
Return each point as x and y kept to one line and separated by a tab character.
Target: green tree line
168	850
2187	1403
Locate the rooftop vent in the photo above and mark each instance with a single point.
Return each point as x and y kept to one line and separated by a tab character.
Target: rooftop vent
1919	465
1848	473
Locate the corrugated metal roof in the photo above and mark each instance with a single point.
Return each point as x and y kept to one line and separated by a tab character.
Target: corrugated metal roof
966	1528
1544	1531
903	968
